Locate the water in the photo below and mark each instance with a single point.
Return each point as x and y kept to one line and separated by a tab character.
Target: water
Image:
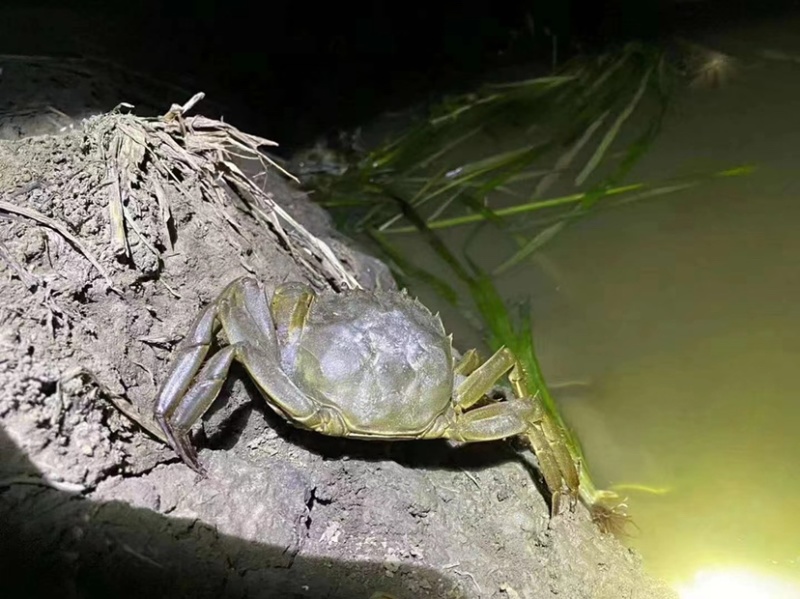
682	317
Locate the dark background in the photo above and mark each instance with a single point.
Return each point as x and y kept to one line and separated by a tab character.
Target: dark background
294	70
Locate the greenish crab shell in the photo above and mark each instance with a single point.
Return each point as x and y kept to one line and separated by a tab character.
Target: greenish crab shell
380	358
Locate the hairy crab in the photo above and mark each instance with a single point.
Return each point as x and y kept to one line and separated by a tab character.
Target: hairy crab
361	364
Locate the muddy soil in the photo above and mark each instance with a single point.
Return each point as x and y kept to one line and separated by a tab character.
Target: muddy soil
92	504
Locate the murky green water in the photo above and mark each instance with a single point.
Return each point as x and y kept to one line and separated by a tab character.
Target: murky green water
683	317
686	324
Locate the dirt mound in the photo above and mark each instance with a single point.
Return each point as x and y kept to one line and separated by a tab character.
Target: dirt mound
112	236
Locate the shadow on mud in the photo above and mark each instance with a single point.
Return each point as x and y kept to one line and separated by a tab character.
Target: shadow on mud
225	424
56	543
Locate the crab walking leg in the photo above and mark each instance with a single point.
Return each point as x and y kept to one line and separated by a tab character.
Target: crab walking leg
483	378
179	404
507	419
549	445
243	312
491	423
196	402
291	303
189	358
566	463
468	363
248	324
549	466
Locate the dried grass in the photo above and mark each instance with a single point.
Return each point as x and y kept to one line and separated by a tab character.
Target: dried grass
174	149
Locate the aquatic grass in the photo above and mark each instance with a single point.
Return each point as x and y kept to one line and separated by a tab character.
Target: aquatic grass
435	166
584	129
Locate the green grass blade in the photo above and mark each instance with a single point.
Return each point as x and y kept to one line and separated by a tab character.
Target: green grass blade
613	131
566	200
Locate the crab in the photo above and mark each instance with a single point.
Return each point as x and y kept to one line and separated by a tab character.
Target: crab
359	364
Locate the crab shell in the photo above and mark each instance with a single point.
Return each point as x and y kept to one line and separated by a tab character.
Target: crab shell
381	358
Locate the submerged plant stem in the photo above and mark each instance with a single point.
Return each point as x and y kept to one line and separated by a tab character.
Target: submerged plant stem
519	209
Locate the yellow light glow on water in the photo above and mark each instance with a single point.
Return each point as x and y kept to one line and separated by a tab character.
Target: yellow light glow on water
737	584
